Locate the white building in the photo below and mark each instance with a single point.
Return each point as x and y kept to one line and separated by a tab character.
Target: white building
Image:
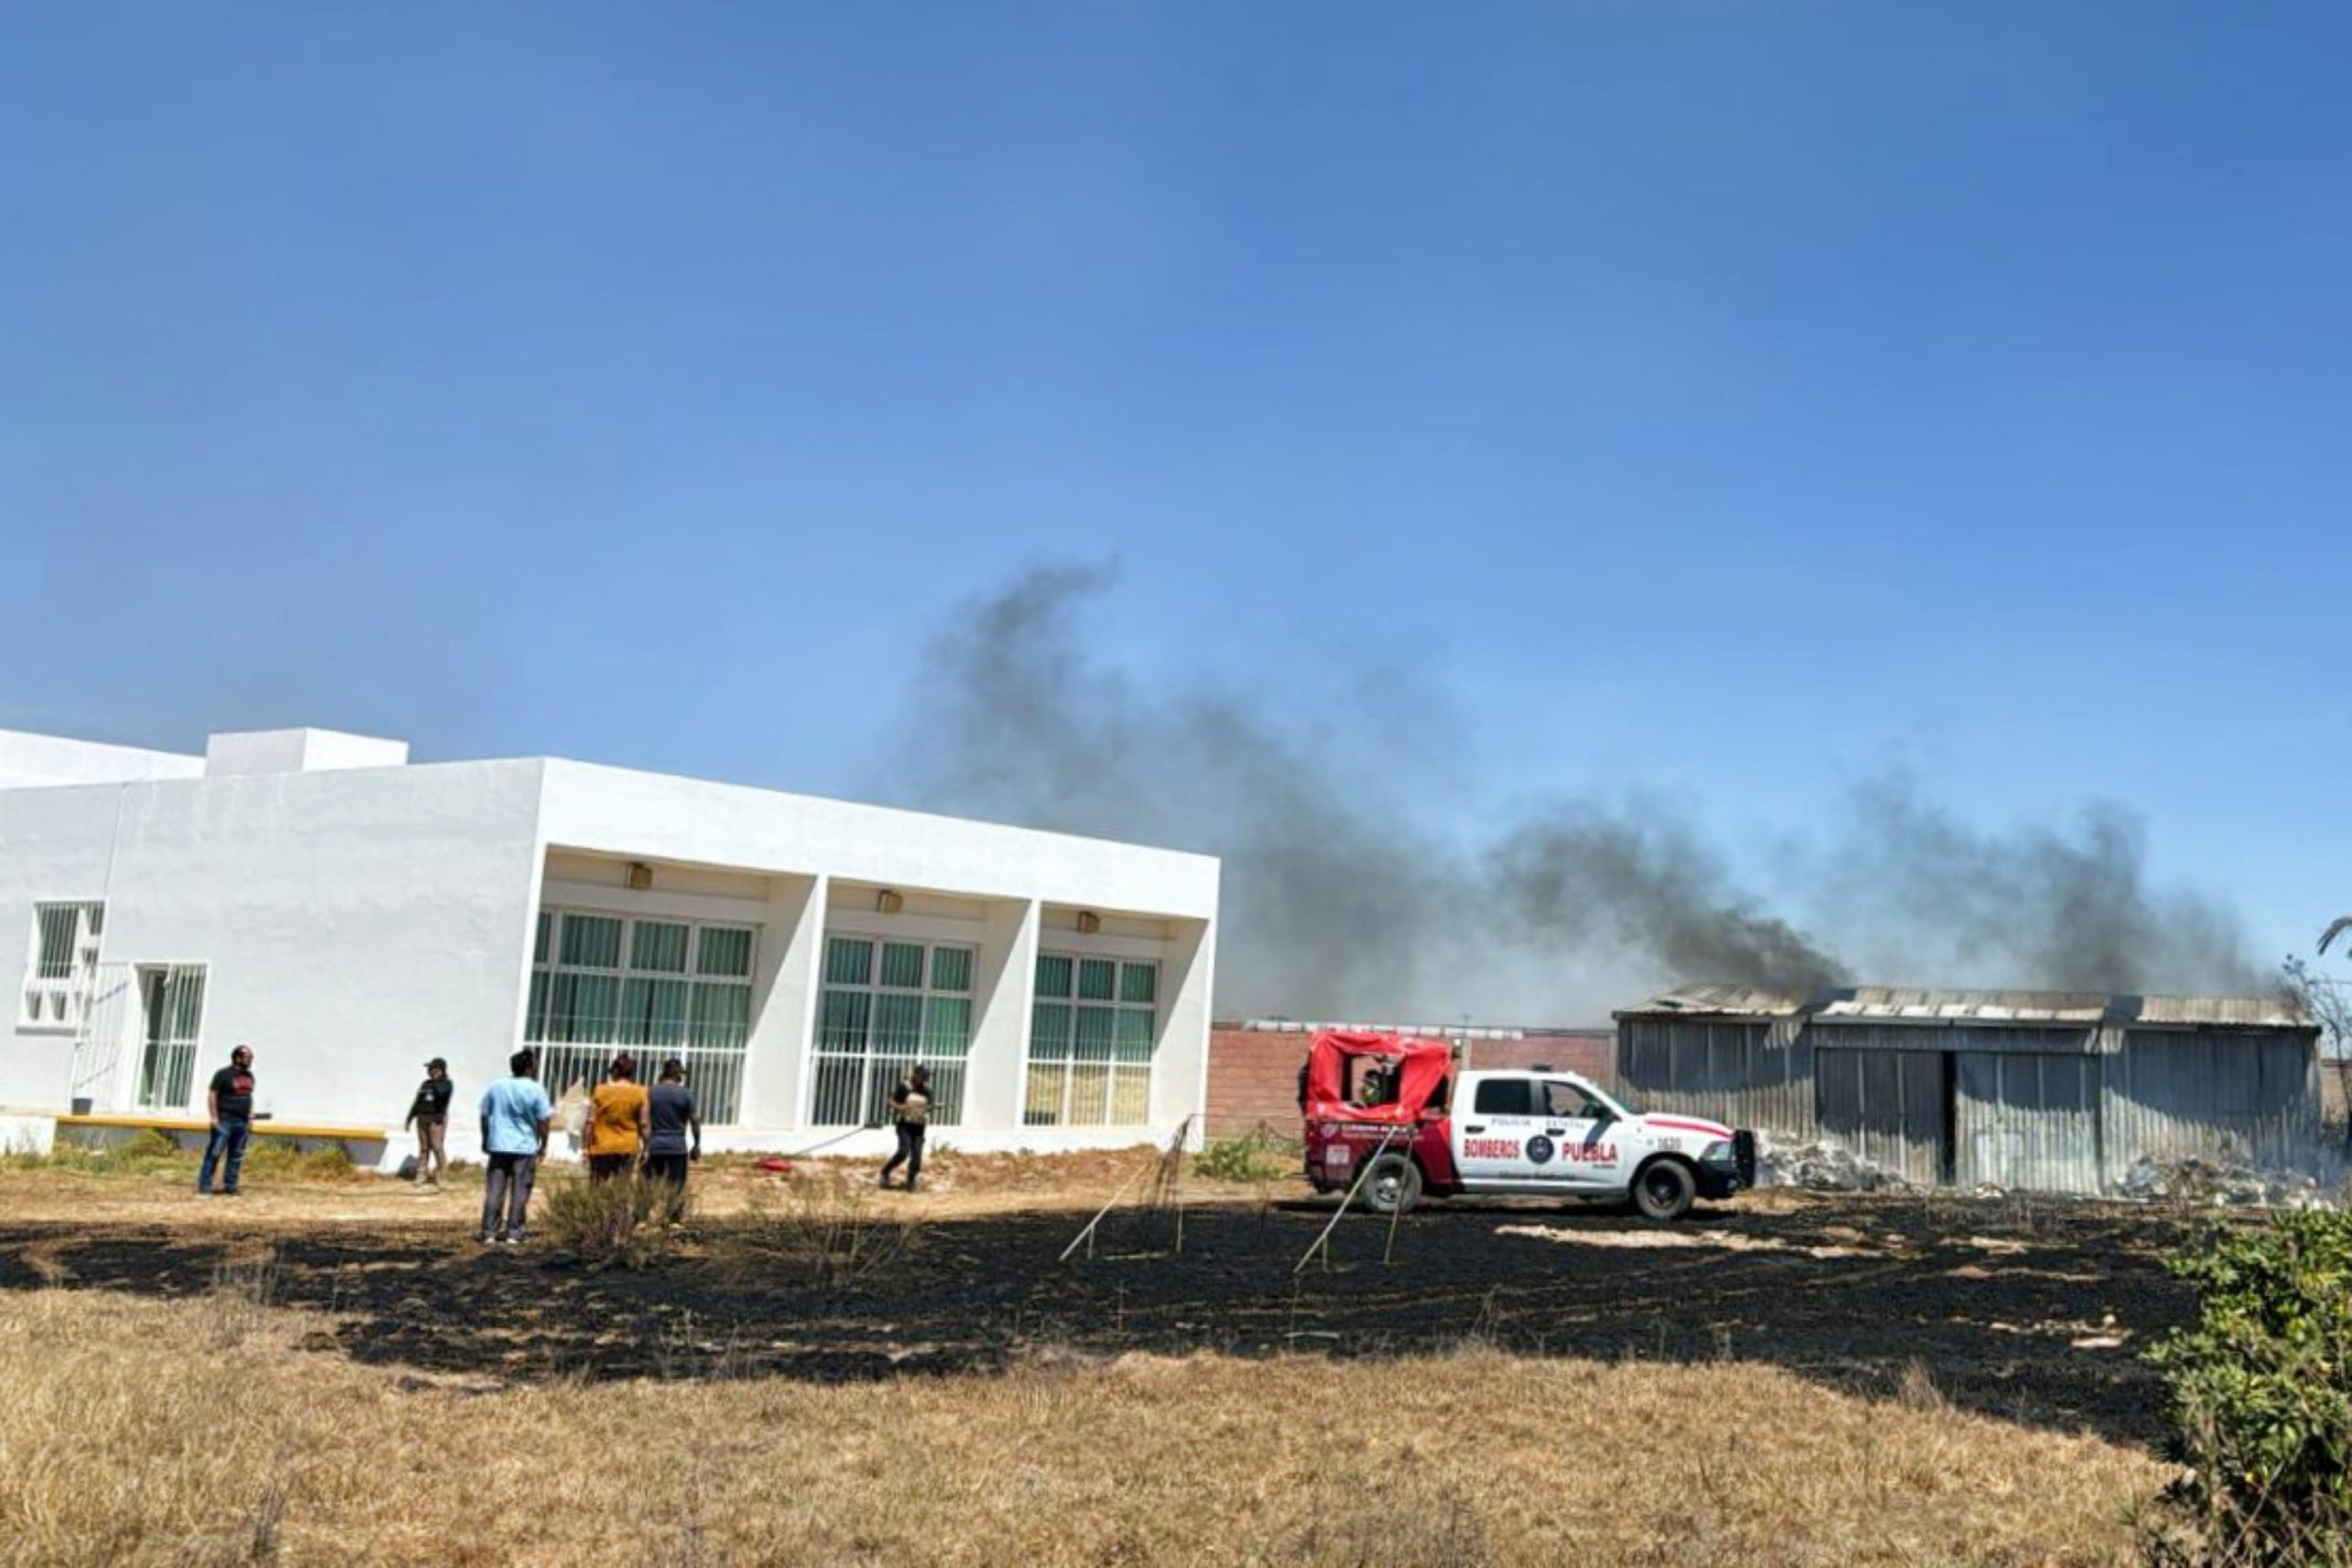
351	916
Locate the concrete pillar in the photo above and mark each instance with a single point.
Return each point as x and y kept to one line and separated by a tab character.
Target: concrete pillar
783	1001
1003	987
1179	1062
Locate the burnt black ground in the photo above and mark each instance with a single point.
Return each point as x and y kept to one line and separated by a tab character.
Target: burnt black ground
1940	1283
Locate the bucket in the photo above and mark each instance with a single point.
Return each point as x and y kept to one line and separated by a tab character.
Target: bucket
81	1105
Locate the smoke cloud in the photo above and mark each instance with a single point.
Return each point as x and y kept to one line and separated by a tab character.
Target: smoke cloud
1339	903
1648	888
2070	910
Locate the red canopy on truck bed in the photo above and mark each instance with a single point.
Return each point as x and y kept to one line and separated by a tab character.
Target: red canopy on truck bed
1421	1066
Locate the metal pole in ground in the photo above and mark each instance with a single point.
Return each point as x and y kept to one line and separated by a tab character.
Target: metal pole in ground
1388	1253
1323	1241
1085	1236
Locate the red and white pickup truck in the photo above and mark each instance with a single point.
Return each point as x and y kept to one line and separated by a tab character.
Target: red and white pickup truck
1427	1130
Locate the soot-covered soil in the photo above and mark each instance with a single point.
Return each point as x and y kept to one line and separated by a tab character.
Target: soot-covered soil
2033	1313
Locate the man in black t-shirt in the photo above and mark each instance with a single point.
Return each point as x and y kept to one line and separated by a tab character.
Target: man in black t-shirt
910	1110
229	1104
429	1114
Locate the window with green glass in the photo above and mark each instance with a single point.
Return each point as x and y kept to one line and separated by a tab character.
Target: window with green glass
604	984
1092	1031
886	1005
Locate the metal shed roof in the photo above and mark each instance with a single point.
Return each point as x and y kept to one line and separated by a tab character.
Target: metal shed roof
1719	1001
1932	1005
2223	1012
1906	1004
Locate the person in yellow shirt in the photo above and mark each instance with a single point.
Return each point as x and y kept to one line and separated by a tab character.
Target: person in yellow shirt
618	1121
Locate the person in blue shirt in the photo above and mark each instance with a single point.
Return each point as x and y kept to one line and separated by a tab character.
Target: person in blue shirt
516	1113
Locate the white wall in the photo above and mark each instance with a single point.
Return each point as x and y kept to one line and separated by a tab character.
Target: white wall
29	760
620	812
356	922
1004	889
352	923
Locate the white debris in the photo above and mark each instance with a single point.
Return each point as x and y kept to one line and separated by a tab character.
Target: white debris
1822	1165
2232	1185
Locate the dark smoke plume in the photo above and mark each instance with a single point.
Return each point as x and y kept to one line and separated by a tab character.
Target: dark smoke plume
1339	905
1649	890
1330	904
2066	911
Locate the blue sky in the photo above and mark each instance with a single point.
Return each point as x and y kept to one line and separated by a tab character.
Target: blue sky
1721	401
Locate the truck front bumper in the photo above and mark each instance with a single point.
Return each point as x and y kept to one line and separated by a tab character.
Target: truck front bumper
1733	1172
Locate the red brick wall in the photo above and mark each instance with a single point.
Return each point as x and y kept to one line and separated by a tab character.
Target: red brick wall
1253	1073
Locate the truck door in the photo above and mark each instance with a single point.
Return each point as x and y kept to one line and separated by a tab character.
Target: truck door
1580	1143
1490	1133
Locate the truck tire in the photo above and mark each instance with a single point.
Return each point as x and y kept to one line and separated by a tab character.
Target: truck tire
1392	1185
1665	1190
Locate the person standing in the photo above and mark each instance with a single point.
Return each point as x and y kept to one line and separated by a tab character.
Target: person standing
910	1110
675	1136
229	1106
515	1114
618	1121
429	1114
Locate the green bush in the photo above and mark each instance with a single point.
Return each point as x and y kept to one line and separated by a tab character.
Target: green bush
624	1222
2259	1398
278	1159
1258	1156
144	1152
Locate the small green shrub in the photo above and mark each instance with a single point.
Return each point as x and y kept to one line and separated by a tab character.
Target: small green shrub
628	1223
2259	1398
145	1151
278	1159
1257	1156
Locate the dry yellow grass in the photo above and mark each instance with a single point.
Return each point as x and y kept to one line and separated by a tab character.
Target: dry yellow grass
198	1431
953	1185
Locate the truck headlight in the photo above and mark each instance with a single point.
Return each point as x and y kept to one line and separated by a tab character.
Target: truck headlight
1718	1152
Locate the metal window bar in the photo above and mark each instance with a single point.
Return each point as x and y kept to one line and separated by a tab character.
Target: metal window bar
620	983
1092	1032
173	998
886	1006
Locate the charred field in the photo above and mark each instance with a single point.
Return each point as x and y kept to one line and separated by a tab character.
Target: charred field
2032	1311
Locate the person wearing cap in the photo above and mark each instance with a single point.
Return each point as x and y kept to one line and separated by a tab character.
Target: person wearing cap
675	1136
428	1114
618	1123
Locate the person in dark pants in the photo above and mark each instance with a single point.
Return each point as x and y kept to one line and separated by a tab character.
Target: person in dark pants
676	1138
515	1114
229	1105
616	1122
429	1114
909	1110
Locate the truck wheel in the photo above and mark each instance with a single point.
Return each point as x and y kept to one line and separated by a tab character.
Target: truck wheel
1665	1190
1392	1185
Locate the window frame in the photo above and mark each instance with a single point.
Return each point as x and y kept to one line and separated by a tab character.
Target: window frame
947	1071
60	1004
1055	1075
715	1072
1525	1086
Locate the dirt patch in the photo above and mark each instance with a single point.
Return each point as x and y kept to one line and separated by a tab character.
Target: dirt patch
1726	1240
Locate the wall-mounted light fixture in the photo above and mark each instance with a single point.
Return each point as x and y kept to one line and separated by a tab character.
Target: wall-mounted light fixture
888	902
1089	923
641	876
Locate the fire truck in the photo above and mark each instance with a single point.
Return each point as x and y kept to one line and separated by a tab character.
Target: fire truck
1395	1114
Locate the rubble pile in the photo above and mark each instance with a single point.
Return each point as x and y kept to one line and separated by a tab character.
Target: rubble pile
1820	1166
2232	1186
